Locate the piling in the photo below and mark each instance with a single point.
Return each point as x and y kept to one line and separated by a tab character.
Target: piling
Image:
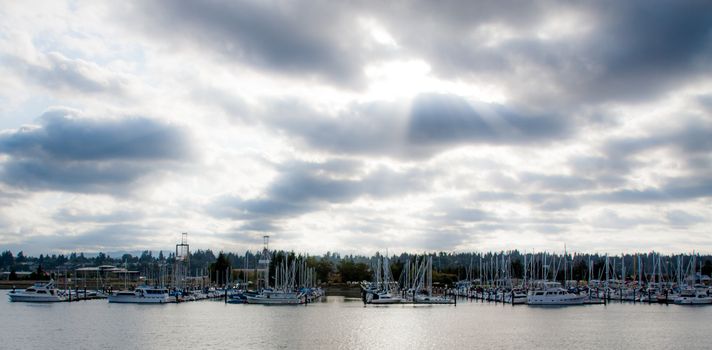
648	296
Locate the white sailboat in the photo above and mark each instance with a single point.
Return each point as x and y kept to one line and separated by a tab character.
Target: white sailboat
381	293
428	298
284	292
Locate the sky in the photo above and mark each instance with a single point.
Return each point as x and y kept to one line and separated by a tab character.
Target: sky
356	126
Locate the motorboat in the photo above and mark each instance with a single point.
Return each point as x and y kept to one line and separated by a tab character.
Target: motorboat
39	293
275	297
516	296
383	298
430	299
553	294
141	295
693	296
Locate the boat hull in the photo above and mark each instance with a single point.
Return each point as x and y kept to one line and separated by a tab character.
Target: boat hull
137	300
693	301
273	301
433	300
386	301
35	298
574	300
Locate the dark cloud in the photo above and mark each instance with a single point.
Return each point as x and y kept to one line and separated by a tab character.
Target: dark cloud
76	154
610	219
691	136
705	101
633	50
372	128
9	197
444	212
304	187
554	202
235	207
77	216
97	239
558	183
301	38
449	119
680	218
60	73
439	239
675	190
688	141
645	48
628	51
429	124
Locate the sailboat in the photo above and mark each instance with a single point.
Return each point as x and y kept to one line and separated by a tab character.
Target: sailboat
428	298
284	292
381	292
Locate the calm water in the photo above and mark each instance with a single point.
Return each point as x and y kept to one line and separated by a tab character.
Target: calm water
345	323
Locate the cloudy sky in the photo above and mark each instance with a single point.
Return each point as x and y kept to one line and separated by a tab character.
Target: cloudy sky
356	126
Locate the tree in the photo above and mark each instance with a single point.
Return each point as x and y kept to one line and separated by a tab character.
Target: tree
323	268
100	258
353	272
6	259
39	274
707	268
219	268
13	275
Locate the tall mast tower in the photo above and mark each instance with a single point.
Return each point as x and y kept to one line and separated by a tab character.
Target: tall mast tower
182	264
263	264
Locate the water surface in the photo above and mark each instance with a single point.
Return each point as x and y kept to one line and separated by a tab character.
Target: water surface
344	323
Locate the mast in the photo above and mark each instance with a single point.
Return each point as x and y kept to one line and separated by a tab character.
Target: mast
430	276
525	269
606	272
640	277
565	257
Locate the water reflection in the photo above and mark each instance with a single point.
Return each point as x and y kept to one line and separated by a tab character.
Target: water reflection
340	322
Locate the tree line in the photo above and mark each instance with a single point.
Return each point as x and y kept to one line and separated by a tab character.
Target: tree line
333	267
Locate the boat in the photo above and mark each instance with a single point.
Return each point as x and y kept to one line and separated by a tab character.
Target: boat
425	285
273	297
39	293
553	294
430	299
383	298
693	296
516	296
141	295
380	291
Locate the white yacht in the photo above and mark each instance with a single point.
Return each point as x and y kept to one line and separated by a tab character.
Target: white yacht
140	295
693	296
383	298
273	297
553	294
516	296
430	299
40	293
